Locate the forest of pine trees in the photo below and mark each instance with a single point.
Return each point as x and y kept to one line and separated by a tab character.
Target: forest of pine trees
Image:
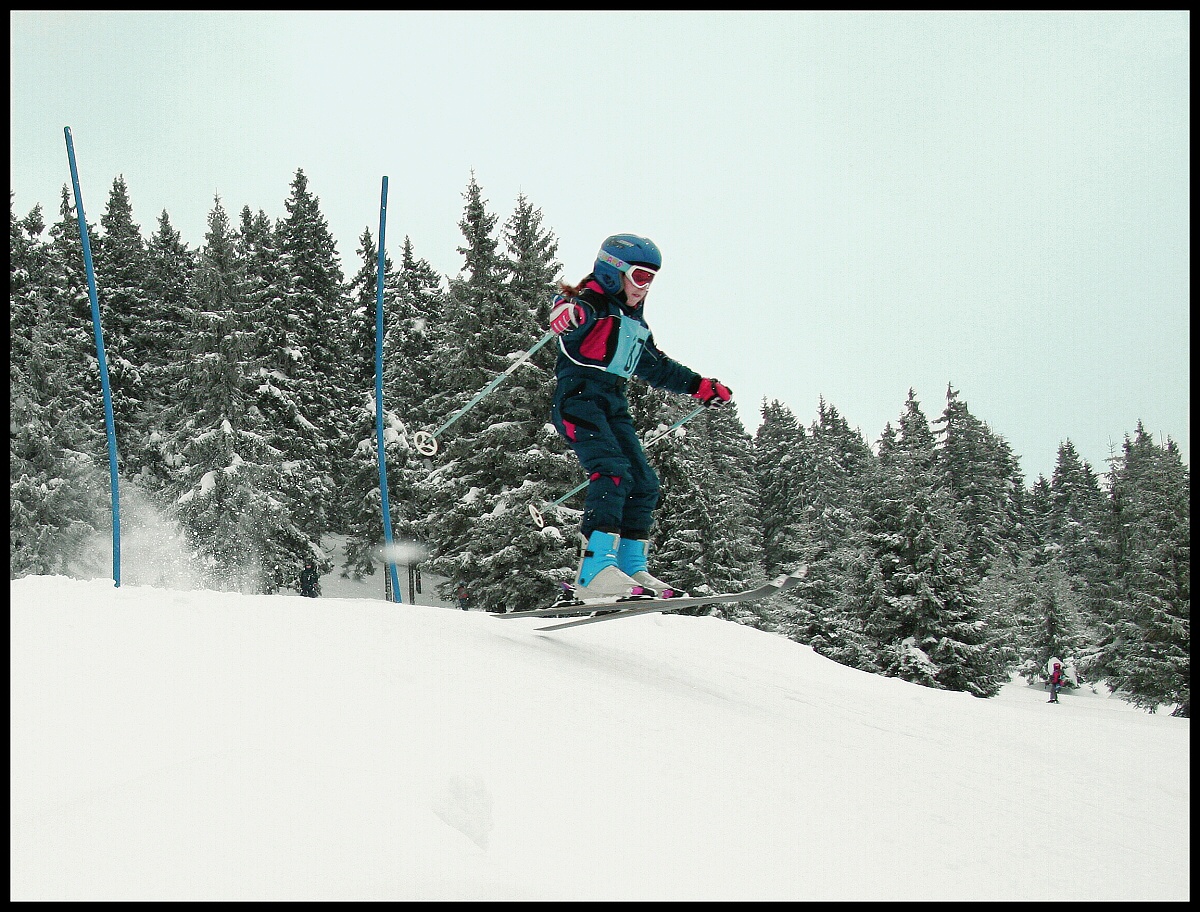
243	379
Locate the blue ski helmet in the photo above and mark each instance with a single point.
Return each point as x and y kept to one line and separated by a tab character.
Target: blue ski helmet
618	253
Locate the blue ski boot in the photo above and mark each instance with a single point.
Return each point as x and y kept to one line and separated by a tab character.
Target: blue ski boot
631	559
599	577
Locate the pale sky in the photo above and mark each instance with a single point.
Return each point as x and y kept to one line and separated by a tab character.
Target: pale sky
848	204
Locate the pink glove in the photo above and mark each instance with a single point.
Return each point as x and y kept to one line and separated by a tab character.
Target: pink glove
712	392
566	314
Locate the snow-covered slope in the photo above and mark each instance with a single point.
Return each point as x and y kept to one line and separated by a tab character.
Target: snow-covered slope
172	745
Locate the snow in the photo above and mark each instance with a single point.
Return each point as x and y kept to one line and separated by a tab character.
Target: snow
173	745
206	485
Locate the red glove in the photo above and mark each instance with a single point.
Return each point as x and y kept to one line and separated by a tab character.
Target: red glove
566	314
712	392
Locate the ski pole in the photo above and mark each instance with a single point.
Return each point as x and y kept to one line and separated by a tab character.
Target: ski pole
426	442
536	514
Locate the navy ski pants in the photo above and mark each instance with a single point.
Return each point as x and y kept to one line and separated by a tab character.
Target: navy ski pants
593	417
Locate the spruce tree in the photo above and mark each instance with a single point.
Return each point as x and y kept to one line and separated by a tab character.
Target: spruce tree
985	482
779	448
1050	622
362	295
228	476
1078	521
28	285
545	467
532	264
362	498
1145	652
363	508
1038	516
922	608
417	342
127	315
479	525
57	497
417	347
276	379
733	554
315	311
170	264
824	611
81	393
474	308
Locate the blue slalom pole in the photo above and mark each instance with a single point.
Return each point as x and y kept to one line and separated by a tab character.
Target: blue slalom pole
103	361
383	487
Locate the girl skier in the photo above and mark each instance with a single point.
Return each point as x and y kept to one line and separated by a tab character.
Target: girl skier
603	340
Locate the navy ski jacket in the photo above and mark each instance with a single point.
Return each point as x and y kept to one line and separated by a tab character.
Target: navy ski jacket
614	341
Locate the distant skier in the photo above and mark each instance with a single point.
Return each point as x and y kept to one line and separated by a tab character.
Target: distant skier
603	340
310	582
1056	677
463	594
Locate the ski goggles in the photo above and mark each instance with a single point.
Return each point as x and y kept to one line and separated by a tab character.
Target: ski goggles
641	276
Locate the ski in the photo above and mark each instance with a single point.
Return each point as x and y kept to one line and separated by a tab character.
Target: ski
634	606
567	609
656	605
651	606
